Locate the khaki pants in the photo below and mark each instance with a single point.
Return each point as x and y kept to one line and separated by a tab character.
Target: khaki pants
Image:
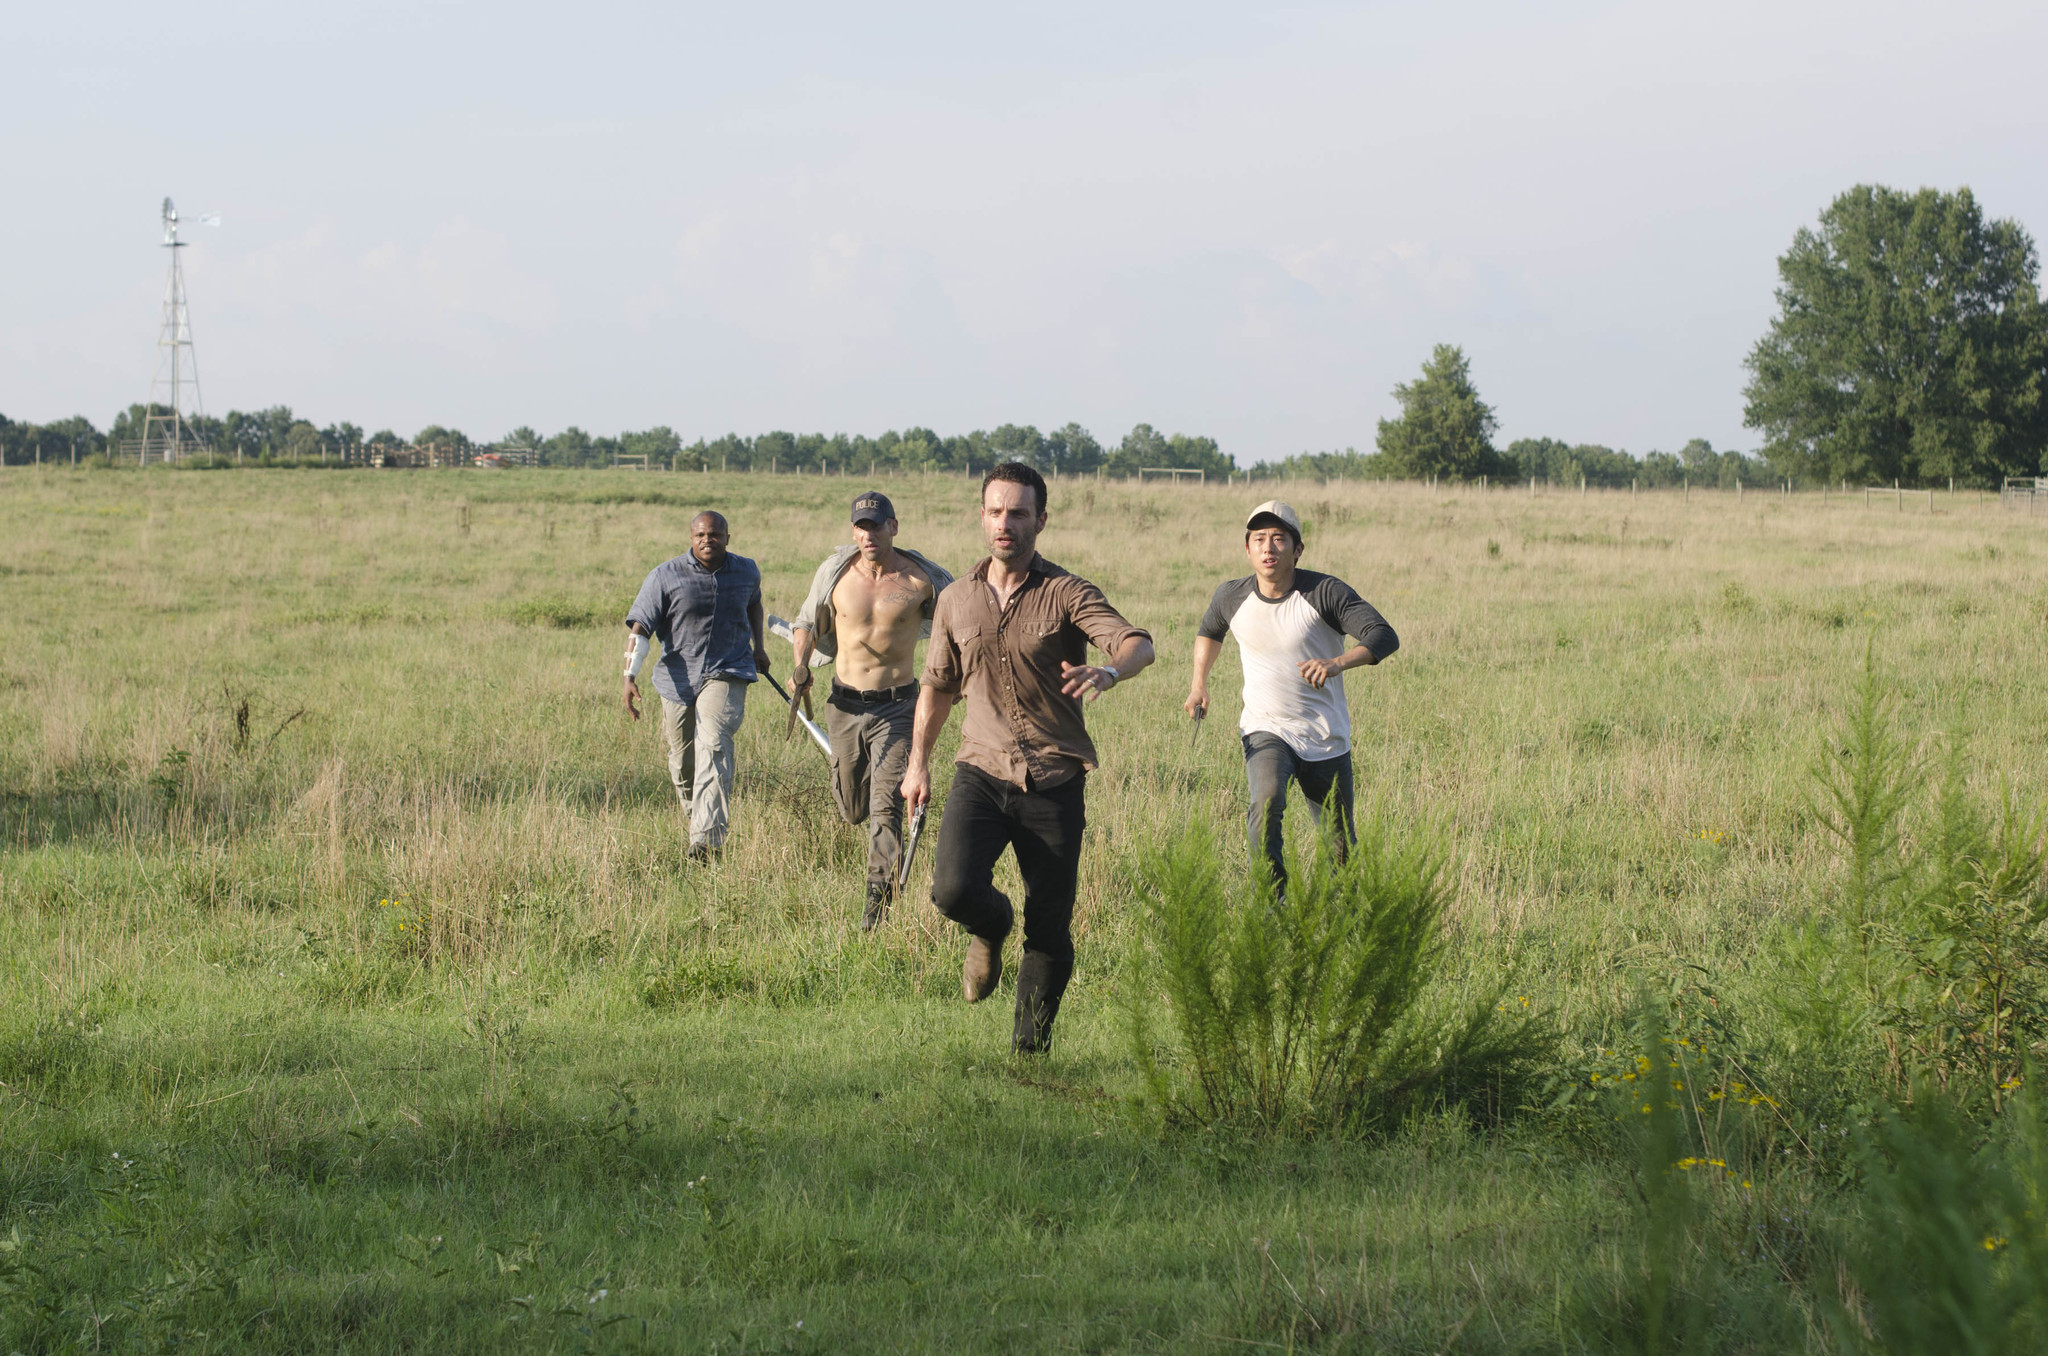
699	738
870	750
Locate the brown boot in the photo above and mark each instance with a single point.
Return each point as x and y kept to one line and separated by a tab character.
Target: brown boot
984	967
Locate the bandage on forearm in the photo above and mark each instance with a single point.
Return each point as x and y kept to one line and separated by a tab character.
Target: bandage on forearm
636	654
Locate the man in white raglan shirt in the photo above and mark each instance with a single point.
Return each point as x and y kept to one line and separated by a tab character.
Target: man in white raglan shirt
1290	626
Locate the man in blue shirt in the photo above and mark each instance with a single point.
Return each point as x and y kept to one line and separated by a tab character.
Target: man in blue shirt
705	609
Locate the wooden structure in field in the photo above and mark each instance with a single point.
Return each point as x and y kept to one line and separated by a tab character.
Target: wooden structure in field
2024	493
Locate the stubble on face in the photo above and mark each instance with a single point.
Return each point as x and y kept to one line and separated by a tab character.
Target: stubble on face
875	540
1010	521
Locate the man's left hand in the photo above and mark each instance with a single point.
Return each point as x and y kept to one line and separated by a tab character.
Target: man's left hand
1319	671
1086	681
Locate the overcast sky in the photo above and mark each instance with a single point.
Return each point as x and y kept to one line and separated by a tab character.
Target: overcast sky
1245	221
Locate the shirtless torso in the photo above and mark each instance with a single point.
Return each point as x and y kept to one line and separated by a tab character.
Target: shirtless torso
877	617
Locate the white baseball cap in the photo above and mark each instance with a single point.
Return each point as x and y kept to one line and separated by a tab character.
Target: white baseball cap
1275	508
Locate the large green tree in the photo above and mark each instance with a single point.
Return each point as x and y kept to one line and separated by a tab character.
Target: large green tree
1911	342
1444	428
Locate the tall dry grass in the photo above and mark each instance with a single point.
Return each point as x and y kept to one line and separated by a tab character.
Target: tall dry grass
300	695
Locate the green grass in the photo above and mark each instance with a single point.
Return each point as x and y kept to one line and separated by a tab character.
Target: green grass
243	1095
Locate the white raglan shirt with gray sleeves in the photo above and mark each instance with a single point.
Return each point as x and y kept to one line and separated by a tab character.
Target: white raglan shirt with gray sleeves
1274	635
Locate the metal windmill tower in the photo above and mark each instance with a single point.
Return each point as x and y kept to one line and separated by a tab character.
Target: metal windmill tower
174	390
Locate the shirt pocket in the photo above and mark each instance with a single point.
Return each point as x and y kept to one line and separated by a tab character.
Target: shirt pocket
972	641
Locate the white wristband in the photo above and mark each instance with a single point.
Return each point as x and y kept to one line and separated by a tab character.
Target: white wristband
1114	676
636	654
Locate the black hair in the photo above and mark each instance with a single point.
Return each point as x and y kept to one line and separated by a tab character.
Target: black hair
1017	473
1272	520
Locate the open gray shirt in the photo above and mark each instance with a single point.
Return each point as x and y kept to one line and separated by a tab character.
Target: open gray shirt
816	614
699	616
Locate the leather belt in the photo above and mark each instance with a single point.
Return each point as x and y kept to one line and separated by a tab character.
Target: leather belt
874	696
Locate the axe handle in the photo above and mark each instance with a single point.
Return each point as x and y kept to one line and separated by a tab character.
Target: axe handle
817	734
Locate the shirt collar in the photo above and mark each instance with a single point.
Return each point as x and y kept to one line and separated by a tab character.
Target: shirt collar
1039	565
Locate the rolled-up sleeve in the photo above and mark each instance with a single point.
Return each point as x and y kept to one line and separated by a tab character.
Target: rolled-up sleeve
1105	627
943	672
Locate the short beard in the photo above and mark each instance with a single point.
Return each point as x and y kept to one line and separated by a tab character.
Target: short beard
1019	552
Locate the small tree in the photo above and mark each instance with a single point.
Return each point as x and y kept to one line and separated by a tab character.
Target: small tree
1444	428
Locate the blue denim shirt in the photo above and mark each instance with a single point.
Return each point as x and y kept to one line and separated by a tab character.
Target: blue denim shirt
699	617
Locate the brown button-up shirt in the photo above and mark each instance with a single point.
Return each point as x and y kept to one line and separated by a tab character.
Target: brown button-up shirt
1020	728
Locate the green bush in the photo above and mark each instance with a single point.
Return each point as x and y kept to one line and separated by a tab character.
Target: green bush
1323	1008
1941	934
1954	1251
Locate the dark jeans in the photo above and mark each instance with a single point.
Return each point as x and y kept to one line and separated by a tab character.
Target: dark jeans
984	816
1269	764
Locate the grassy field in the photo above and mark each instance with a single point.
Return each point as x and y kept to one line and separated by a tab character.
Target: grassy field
355	994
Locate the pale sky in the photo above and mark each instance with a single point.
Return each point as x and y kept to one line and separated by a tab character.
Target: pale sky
1244	221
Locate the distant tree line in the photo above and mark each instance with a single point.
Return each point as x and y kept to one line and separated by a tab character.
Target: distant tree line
1911	343
21	443
1446	431
276	436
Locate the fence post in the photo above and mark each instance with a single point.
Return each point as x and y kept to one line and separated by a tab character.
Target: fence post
1899	494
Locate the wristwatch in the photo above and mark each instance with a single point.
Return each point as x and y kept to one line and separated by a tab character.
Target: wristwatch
1110	669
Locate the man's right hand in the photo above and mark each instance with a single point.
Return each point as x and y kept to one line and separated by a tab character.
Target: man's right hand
917	785
800	680
1197	704
633	698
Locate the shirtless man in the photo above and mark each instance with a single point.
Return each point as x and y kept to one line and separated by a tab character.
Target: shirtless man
869	603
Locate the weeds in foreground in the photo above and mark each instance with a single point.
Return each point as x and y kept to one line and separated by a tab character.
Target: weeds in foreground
1947	904
1323	1008
1954	1253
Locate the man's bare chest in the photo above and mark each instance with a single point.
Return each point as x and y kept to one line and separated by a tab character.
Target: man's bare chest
863	602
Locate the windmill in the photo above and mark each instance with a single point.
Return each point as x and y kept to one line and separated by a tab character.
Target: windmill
165	436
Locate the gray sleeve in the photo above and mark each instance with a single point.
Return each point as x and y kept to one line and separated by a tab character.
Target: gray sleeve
817	603
1339	605
1228	598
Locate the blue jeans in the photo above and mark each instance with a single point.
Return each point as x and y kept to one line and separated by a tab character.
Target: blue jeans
1269	764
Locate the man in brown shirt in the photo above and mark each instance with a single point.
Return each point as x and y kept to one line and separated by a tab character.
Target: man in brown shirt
1012	636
